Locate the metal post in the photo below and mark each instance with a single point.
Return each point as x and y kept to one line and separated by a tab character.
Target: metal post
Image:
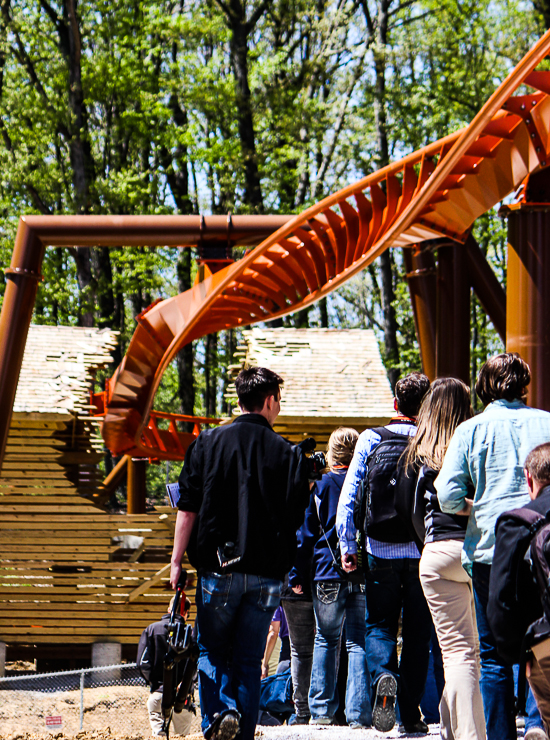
21	287
421	279
81	699
453	313
528	304
136	485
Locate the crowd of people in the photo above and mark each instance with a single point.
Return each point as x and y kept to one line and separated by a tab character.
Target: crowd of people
424	523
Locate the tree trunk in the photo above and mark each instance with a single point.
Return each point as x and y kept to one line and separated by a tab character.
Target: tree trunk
184	358
210	374
241	28
391	347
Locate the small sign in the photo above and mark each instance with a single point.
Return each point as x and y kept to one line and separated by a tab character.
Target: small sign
54	721
173	490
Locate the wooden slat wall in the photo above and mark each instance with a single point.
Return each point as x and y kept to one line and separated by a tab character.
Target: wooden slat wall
59	579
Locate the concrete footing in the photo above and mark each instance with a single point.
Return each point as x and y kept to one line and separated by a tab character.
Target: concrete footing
103	654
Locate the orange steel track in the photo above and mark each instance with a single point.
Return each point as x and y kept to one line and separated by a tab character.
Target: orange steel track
436	192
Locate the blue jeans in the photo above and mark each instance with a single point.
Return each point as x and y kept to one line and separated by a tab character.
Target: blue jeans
332	602
392	586
233	616
497	680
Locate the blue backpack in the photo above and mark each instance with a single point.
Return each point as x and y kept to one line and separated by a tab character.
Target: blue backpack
276	693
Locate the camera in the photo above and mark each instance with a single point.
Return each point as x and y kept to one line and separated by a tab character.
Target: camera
316	461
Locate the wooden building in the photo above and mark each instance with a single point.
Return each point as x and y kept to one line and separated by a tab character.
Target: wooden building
333	377
72	575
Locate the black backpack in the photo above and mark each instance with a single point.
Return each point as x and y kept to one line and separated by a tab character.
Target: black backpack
514	610
374	509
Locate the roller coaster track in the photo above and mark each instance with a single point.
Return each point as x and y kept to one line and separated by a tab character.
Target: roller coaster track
436	192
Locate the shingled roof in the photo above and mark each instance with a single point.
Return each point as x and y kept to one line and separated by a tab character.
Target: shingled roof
58	367
332	377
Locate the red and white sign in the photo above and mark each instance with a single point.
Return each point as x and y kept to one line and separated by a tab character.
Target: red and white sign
54	721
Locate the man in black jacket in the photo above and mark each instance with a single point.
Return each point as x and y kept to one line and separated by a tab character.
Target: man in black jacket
514	605
243	493
152	649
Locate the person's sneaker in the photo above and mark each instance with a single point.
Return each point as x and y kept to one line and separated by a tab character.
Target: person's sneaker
226	726
357	726
535	733
420	728
383	712
296	719
321	721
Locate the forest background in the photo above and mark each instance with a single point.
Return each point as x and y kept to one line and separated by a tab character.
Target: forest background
241	106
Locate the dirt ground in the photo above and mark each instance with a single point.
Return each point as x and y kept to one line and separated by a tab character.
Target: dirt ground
110	713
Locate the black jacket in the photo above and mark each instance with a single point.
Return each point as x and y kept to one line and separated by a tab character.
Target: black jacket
248	486
514	602
152	649
419	507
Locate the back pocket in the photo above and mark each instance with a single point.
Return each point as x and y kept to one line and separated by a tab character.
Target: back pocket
215	589
327	591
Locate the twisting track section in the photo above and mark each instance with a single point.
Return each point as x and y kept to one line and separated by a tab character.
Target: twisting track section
435	192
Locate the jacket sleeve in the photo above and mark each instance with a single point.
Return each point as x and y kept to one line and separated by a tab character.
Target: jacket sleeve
299	485
514	602
190	479
454	484
307	536
145	659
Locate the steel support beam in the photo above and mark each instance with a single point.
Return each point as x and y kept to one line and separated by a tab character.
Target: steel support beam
35	233
136	485
528	293
453	313
422	282
490	292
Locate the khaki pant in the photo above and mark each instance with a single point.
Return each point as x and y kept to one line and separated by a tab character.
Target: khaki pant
539	680
448	591
180	724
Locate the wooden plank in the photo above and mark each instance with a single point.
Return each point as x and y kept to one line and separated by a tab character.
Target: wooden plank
32	464
162	573
78	610
47	509
48	639
30	499
68	630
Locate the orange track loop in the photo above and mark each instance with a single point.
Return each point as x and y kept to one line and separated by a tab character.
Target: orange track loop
436	192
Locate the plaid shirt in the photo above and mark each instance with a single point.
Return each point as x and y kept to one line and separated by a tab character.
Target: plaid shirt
344	518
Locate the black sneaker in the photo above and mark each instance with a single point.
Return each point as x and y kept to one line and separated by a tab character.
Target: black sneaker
383	712
420	728
226	726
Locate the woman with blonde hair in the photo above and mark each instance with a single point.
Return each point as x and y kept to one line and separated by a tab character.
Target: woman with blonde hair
446	585
335	598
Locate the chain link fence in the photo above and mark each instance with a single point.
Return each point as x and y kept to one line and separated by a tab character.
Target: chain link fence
110	698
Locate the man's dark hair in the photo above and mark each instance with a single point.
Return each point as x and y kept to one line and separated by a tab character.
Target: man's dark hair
538	463
254	385
503	376
409	392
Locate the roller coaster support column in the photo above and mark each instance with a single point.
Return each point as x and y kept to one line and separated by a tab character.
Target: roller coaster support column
421	278
528	291
453	313
136	485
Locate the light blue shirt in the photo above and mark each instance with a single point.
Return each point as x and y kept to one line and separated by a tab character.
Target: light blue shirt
357	471
484	461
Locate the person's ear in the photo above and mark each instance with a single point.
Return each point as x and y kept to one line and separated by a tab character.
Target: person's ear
530	480
395	404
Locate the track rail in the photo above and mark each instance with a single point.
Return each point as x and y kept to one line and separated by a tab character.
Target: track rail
438	191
